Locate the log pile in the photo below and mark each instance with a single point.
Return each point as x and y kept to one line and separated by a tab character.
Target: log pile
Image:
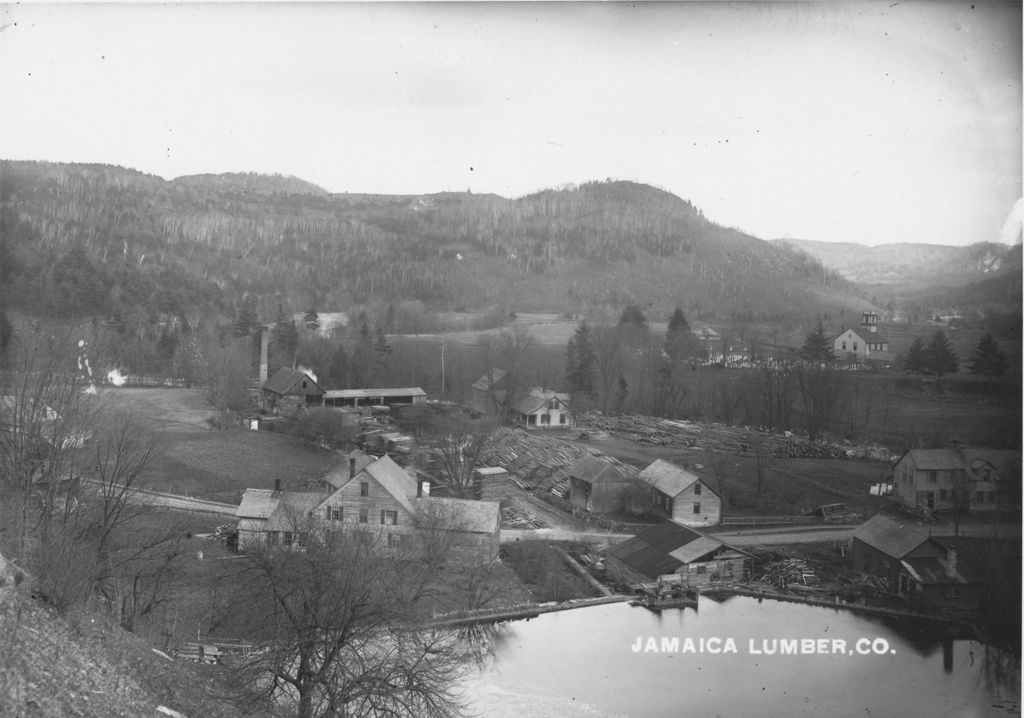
718	438
534	462
793	449
782	574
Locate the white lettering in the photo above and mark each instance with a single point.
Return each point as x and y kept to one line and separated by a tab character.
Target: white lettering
730	646
880	646
638	645
652	645
670	645
787	646
838	646
863	646
753	649
688	646
714	645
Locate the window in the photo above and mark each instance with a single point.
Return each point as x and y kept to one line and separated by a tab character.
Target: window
701	568
287	539
696	507
696	488
844	346
951	592
933	476
991	497
364	488
272	538
561	419
387	516
394	540
328	516
979	497
364	516
303	537
943	495
855	346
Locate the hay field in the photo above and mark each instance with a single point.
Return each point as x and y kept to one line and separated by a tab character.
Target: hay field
217	465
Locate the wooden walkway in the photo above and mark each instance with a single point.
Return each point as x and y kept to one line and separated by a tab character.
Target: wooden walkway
512	613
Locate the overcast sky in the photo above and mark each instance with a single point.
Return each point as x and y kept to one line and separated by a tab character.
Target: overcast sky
872	123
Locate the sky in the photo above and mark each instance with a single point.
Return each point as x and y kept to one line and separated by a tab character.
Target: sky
869	122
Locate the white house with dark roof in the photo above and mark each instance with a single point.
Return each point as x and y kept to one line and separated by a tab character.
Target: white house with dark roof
864	344
681	495
543	409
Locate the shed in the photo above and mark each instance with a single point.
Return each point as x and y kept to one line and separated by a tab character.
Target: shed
598	484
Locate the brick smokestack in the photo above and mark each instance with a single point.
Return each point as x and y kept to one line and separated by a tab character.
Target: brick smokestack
352	468
951	562
264	354
277	484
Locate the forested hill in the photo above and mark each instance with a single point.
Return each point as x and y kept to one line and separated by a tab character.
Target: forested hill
99	240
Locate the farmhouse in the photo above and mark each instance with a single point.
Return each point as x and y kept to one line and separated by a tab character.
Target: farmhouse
959	478
291	388
380	497
672	548
597	484
543	408
680	495
864	344
926	571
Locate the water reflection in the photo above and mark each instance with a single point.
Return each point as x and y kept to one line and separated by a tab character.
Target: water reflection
586	656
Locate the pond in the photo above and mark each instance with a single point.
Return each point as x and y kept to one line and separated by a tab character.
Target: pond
736	658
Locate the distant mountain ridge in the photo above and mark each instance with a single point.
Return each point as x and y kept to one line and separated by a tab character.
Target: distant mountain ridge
100	240
912	265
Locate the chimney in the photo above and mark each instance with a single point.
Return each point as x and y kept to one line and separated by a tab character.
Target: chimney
352	467
264	354
951	562
277	484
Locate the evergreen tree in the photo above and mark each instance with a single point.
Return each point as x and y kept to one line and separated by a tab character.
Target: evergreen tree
247	319
817	347
311	319
939	357
338	368
988	360
680	341
914	361
579	363
285	337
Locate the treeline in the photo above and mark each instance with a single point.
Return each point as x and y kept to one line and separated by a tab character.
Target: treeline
213	239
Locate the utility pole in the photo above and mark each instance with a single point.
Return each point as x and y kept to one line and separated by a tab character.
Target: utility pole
442	365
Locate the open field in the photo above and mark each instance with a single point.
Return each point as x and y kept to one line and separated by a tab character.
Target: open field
211	464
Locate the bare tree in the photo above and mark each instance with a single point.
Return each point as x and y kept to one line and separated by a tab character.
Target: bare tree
457	443
339	618
505	358
611	359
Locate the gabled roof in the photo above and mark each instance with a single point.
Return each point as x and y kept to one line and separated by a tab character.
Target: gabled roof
284	379
258	504
663	548
293	510
889	536
536	398
596	470
936	459
668	478
462	514
1006	462
490	380
394	479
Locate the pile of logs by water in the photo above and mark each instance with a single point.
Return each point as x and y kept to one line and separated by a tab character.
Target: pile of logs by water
787	572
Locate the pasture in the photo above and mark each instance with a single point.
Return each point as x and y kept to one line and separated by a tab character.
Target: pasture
219	465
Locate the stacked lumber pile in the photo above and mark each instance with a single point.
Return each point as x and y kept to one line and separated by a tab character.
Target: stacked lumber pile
534	462
515	518
710	437
793	449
